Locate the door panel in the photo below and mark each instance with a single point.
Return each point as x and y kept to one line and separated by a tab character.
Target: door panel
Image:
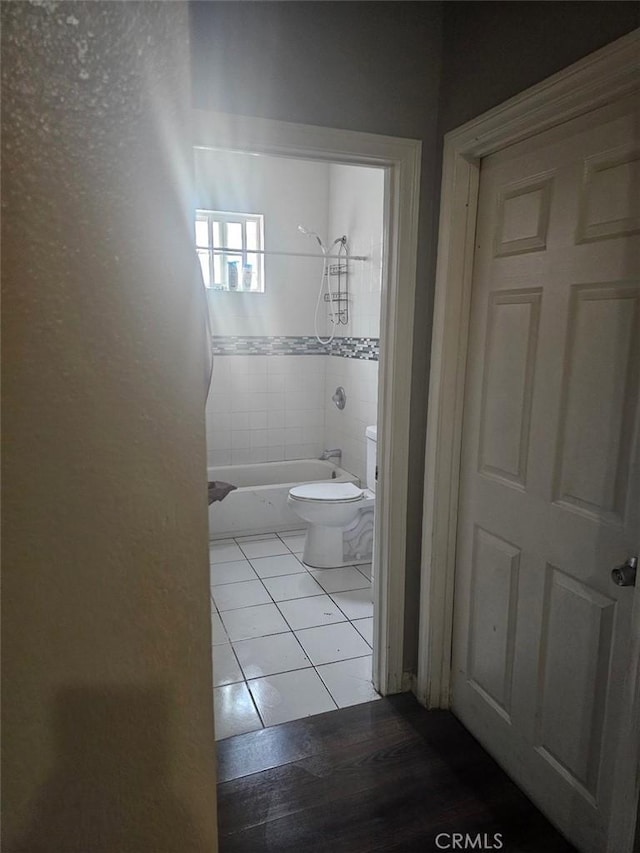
508	383
598	400
523	216
494	593
575	649
610	201
549	495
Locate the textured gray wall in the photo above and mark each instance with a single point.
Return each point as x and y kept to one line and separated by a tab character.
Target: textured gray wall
492	51
107	735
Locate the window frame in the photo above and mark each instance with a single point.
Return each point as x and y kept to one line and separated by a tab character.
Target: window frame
223	218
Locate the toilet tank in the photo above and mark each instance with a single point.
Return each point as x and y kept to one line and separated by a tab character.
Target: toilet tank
371	433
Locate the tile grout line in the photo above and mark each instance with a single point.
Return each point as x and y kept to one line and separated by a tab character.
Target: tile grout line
325	592
297	598
319	674
291	629
255	704
279	611
293	633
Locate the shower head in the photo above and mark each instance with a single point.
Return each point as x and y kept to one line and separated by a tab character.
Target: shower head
308	233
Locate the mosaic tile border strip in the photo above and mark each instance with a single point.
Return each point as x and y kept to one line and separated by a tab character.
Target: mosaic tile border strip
367	349
364	348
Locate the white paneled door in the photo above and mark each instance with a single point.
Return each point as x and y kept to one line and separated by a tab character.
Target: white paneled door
550	464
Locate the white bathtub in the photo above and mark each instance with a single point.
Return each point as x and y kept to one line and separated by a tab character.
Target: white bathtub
259	504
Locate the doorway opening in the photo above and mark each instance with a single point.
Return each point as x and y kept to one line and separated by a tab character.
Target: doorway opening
292	408
271	357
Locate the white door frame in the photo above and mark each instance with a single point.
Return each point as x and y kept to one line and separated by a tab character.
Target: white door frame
401	160
600	78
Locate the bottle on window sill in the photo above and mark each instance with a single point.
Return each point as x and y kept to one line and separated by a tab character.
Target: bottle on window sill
247	276
233	275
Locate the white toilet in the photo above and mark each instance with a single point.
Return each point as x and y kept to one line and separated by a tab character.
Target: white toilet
339	517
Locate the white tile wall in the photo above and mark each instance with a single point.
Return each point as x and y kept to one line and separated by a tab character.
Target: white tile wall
346	428
272	408
283	418
270	426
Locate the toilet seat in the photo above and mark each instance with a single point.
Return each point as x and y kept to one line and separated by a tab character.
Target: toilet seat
327	492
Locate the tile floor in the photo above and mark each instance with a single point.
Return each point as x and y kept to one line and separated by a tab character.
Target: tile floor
288	641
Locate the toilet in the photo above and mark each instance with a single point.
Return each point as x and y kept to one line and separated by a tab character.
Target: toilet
339	517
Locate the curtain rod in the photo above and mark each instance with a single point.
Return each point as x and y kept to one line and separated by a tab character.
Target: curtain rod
241	252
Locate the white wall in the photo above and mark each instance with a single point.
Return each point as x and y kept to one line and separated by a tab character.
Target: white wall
356	199
288	193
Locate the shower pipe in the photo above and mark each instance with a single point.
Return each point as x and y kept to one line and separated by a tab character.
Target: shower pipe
325	257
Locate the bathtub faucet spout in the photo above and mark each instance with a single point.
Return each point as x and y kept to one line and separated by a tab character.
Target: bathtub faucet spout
329	454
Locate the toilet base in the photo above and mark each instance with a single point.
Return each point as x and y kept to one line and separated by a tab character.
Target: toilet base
345	564
323	547
336	547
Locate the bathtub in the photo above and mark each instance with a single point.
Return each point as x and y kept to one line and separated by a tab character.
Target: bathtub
259	504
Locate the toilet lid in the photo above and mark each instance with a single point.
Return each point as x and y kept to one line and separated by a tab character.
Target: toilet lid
334	492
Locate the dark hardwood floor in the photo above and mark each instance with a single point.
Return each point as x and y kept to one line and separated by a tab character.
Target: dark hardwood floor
387	775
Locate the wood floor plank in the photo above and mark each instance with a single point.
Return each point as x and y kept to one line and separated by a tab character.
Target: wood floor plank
384	776
266	748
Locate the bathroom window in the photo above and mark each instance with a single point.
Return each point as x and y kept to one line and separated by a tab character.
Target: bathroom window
229	247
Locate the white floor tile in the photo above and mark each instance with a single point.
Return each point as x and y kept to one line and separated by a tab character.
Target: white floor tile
218	633
309	612
339	580
226	669
269	655
224	552
269	665
231	596
269	567
259	621
286	587
234	711
330	643
263	548
290	696
355	604
294	543
365	568
254	537
365	628
234	572
349	681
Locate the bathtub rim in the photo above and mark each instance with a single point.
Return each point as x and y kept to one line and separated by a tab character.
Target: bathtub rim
343	477
295	525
